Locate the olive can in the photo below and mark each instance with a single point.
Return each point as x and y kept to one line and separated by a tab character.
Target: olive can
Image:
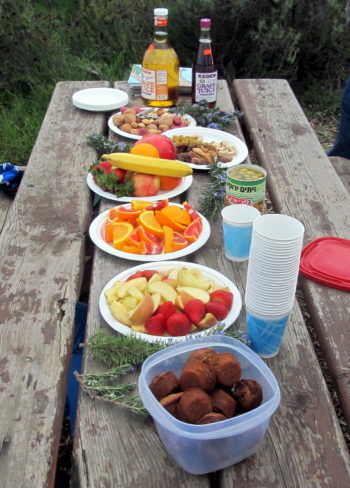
246	184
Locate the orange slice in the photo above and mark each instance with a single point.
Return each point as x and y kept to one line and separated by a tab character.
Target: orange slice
112	215
150	223
127	214
193	231
169	182
140	204
180	215
179	242
145	149
165	220
108	231
121	233
140	248
168	238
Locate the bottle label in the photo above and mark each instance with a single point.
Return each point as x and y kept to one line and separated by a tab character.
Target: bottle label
205	86
154	85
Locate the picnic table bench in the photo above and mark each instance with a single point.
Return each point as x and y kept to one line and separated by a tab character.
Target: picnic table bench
42	254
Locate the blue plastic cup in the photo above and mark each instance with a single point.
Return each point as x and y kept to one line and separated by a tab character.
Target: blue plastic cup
265	332
238	225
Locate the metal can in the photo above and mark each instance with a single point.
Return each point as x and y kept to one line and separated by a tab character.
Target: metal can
246	183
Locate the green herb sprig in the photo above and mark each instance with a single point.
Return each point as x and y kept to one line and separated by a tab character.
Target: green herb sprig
213	195
103	145
213	118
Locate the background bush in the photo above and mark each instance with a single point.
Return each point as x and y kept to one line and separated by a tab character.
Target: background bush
42	42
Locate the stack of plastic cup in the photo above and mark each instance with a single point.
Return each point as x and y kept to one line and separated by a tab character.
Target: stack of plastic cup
272	276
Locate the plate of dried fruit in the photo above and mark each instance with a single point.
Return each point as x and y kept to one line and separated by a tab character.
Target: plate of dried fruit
170	301
195	145
127	122
150	231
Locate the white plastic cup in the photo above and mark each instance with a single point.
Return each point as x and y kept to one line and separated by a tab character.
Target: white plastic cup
278	228
237	223
266	332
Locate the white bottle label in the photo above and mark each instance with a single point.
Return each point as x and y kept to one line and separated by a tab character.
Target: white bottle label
154	84
205	88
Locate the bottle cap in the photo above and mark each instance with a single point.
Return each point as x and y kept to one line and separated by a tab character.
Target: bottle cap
161	12
205	23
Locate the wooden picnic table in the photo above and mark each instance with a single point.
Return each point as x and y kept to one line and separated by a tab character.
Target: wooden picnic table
42	246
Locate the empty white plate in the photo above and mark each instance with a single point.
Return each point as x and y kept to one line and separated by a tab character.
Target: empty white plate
100	99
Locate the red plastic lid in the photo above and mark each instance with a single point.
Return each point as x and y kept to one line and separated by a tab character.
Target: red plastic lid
327	261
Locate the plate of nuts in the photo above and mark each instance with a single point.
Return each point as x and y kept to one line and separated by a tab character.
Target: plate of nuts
200	147
136	122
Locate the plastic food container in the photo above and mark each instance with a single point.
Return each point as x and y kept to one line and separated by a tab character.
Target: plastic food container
200	449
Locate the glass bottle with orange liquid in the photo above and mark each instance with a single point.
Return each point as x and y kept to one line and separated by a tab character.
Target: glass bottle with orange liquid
204	71
160	66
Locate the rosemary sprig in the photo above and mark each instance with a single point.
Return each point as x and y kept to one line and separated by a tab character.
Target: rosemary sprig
213	118
103	145
213	195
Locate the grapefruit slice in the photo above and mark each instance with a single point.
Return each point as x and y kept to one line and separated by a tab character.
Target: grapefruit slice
194	230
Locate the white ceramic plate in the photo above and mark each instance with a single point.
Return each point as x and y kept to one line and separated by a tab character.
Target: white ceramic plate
100	99
191	123
95	232
161	195
207	272
213	135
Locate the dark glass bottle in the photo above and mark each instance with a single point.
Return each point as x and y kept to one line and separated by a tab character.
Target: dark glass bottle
204	72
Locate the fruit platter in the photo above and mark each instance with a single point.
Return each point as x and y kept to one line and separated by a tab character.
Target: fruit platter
136	122
169	301
150	231
149	170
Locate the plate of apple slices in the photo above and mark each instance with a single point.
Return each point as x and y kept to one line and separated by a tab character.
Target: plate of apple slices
169	302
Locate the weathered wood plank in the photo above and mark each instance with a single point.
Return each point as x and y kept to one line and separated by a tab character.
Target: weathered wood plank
303	183
342	167
41	266
5	204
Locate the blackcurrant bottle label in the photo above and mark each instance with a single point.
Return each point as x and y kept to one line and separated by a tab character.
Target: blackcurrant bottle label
205	86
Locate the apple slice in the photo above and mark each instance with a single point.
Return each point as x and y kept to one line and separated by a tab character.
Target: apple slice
135	293
156	300
155	277
166	291
119	312
185	278
188	293
139	283
142	312
207	321
112	293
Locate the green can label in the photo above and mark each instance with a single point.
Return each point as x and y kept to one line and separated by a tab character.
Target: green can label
246	184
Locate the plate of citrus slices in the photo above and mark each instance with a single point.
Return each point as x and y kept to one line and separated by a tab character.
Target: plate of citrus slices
150	231
169	301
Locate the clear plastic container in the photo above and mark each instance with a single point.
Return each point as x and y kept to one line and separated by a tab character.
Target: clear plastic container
200	449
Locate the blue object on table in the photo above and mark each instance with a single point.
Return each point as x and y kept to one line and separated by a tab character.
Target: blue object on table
341	145
237	240
265	335
75	364
10	177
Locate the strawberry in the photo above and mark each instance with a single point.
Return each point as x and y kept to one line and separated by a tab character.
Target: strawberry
195	310
178	324
223	296
155	325
148	273
167	309
120	173
218	309
105	166
138	274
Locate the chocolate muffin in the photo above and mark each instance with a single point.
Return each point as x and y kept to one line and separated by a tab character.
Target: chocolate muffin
210	418
227	369
164	384
206	355
197	374
223	403
248	394
170	402
193	405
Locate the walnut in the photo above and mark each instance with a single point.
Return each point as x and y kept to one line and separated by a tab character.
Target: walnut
147	121
118	119
152	126
166	119
130	118
130	111
126	127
